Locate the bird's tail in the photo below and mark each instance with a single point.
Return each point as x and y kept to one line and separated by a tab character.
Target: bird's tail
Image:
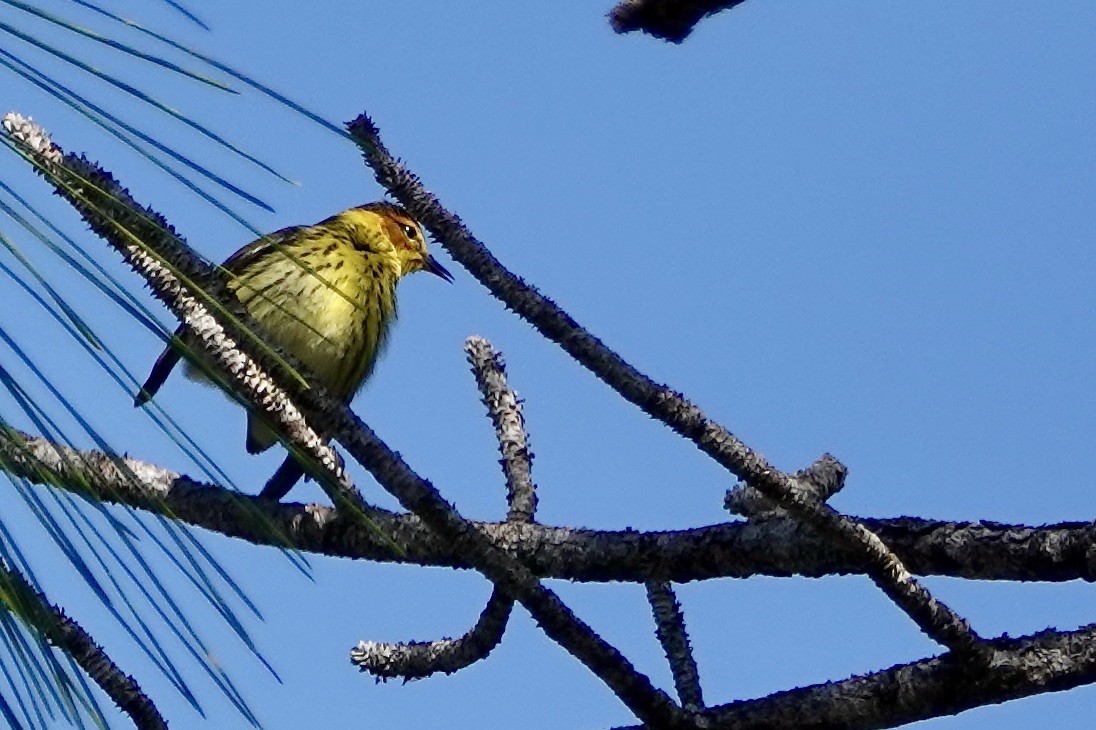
160	370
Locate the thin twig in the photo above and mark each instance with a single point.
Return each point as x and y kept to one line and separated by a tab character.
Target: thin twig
557	621
671	633
504	408
64	633
658	401
417	659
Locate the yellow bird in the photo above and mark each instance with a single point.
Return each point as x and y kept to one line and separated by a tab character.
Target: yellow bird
325	293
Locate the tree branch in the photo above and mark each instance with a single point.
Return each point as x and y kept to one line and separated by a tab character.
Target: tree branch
821	480
670	20
418	659
504	408
63	632
670	629
775	546
1050	661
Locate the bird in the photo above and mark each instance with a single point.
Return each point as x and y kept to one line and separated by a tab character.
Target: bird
326	294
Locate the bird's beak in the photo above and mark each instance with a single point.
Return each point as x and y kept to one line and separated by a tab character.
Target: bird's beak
431	264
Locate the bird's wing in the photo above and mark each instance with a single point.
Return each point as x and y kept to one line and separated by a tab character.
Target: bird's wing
236	263
258	248
160	370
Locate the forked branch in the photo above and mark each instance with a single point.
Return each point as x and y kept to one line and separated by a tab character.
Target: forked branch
658	401
419	659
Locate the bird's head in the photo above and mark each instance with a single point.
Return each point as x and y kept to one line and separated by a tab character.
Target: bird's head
388	230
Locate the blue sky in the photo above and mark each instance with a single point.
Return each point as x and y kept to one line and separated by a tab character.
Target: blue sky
862	228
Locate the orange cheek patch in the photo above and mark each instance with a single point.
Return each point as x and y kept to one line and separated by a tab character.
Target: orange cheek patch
393	227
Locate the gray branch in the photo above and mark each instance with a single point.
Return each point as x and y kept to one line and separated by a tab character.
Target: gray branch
773	546
671	633
821	480
504	408
418	659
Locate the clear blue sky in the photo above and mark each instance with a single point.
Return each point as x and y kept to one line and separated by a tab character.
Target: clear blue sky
856	227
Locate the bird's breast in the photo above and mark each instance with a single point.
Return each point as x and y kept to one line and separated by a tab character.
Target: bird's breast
334	319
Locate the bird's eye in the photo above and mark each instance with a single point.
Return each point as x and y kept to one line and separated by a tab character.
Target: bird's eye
410	231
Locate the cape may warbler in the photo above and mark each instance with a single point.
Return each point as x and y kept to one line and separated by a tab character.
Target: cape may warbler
326	294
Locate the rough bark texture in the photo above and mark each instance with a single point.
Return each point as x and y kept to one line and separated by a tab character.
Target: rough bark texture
671	633
776	546
64	633
1046	662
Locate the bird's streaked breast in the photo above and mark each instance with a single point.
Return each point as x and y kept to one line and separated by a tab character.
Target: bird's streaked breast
334	319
